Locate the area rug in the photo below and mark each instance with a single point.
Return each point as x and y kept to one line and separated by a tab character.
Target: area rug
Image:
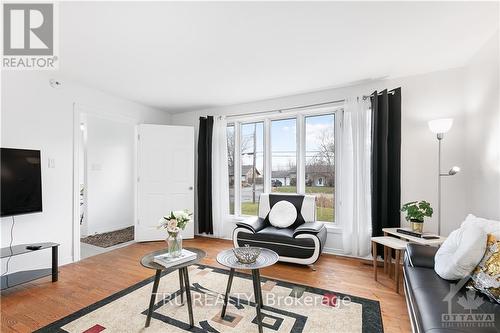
288	308
111	238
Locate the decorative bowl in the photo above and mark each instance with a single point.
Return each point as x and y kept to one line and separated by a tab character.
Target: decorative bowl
247	254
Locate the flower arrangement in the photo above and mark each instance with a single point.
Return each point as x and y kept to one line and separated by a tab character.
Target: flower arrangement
176	221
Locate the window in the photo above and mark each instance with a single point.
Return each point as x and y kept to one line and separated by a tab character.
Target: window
230	164
284	156
251	166
320	164
288	154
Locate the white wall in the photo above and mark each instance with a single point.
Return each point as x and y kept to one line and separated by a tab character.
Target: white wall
483	131
110	174
424	97
35	115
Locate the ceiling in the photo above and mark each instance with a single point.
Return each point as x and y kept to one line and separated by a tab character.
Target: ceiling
181	56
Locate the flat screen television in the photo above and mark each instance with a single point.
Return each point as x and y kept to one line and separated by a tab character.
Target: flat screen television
21	181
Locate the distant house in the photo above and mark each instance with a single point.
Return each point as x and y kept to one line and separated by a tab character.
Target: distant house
246	175
319	175
284	177
316	175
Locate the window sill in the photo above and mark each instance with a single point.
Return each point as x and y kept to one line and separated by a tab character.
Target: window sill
333	228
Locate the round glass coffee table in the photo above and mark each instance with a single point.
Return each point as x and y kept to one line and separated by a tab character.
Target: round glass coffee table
148	262
228	259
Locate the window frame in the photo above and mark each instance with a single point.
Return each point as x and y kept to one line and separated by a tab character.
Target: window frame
238	165
300	117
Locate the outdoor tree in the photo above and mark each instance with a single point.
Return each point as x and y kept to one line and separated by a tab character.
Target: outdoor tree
231	148
325	155
326	145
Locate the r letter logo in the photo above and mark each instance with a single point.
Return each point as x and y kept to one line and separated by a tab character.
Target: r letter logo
28	36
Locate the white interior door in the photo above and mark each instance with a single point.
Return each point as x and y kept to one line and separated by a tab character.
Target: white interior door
165	170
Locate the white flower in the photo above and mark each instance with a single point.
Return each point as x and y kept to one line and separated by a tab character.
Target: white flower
179	214
172	224
162	223
173	230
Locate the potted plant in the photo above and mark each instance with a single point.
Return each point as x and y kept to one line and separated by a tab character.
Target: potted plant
416	212
174	223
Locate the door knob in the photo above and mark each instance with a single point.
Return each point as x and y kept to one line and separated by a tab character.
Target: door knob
190	188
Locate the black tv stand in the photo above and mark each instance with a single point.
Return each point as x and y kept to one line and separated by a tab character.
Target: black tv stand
14	279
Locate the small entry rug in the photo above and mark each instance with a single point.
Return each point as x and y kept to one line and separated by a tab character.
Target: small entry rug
288	308
111	238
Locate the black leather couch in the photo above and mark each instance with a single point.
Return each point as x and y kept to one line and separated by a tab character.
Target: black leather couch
436	305
301	243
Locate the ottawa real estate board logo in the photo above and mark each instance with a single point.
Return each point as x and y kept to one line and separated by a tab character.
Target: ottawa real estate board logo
29	36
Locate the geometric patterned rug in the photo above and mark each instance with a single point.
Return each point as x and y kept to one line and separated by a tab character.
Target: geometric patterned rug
288	308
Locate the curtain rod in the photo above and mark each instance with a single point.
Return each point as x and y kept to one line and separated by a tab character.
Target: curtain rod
284	109
390	92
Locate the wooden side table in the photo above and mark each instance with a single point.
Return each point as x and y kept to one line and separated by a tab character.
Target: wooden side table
413	239
393	243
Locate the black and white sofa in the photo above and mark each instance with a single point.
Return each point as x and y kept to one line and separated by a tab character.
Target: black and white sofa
300	243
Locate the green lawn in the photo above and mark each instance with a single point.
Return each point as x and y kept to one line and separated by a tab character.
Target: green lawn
325	214
322	214
248	208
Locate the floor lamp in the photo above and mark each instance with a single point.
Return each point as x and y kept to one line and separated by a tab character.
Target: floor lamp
440	127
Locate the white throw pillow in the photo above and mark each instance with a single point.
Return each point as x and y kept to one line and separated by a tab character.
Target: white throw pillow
283	214
460	253
489	226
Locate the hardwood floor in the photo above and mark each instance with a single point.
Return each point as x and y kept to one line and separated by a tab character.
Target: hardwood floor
36	304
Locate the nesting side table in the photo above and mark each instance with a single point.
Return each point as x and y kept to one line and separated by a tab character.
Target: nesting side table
148	262
228	259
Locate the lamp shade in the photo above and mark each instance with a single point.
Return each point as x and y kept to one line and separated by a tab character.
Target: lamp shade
440	126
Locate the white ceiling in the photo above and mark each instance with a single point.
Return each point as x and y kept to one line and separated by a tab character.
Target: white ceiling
185	56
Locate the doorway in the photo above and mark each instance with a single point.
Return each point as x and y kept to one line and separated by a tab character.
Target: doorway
106	182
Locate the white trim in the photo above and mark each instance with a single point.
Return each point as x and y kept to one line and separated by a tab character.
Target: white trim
332	228
78	111
338	118
267	156
76	198
250	118
301	154
237	168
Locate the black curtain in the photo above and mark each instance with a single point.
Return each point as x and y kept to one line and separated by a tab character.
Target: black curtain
386	160
204	186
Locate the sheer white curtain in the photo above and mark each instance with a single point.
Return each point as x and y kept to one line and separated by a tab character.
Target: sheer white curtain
355	178
220	182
